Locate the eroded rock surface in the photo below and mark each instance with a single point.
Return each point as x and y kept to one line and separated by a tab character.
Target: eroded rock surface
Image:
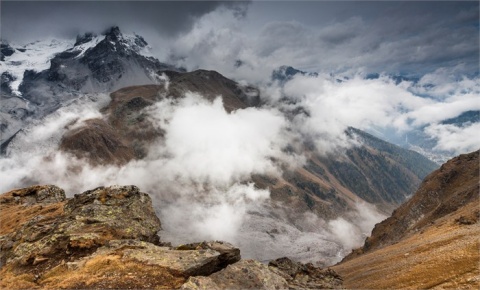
87	221
107	238
246	274
305	276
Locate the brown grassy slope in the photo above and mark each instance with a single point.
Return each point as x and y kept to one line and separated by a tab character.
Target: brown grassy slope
451	187
444	255
14	213
430	241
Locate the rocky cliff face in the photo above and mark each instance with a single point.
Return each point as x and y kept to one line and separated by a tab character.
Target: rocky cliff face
446	190
429	241
107	238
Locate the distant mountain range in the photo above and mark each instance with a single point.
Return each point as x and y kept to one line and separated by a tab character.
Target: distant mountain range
415	139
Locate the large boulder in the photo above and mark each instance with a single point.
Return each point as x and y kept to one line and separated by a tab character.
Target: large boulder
186	262
246	274
79	226
305	276
228	254
37	194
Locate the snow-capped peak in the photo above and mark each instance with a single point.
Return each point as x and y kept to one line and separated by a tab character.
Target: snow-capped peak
37	56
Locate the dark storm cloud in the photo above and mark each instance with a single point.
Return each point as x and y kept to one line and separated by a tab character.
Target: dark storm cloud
29	20
377	35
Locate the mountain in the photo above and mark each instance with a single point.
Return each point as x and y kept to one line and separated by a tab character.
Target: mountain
285	73
41	77
351	188
429	241
328	187
127	134
417	138
464	118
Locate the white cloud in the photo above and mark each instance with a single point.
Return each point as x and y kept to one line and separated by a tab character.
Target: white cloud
196	174
207	144
457	139
352	229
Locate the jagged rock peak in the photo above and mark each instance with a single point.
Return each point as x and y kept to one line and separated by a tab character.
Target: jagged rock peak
285	73
5	50
113	33
81	39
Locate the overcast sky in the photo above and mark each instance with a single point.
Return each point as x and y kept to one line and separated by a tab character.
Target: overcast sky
397	37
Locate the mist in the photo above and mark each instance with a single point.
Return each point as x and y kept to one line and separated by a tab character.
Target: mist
198	175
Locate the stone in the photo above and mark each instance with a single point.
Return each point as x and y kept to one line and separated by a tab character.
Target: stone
191	262
44	194
246	274
228	253
88	221
305	276
200	283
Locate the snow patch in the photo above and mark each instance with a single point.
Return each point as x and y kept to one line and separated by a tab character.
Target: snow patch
86	46
34	56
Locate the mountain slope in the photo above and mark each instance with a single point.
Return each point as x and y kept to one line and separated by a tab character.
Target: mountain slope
329	187
377	172
429	241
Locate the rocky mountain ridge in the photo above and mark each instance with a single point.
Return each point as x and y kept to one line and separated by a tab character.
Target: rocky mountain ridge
107	238
429	241
94	64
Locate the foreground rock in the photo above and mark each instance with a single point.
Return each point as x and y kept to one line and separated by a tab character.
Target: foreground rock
246	274
83	224
107	238
305	276
282	273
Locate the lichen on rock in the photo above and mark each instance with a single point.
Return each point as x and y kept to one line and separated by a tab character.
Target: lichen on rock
107	238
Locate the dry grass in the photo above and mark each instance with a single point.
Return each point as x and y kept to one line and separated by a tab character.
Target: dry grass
445	255
99	272
13	216
11	280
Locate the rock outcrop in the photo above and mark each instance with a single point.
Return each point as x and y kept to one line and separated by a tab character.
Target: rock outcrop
305	276
80	225
107	238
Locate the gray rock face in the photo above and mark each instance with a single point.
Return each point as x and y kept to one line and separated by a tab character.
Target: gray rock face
193	262
228	254
87	221
43	194
246	274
